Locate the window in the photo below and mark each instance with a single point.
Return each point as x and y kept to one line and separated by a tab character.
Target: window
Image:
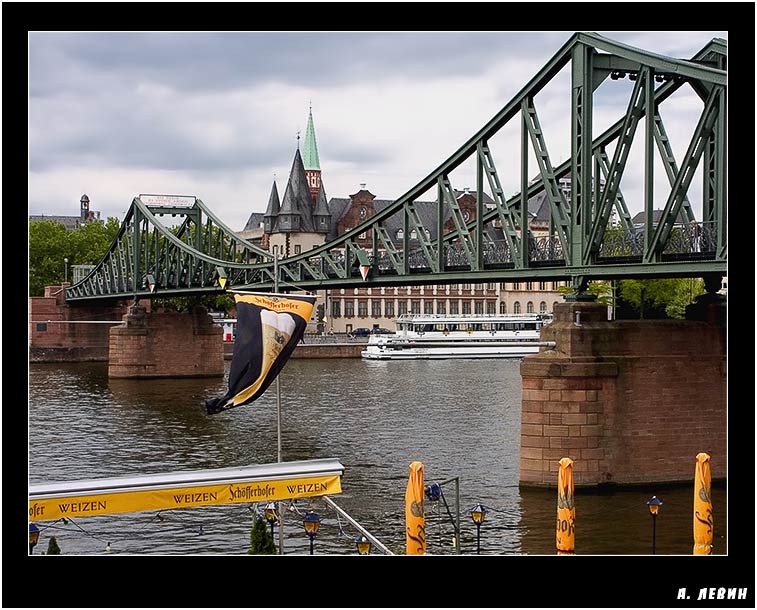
441	307
529	307
298	249
415	306
428	307
454	286
275	249
491	286
413	234
336	309
402	308
454	308
466	286
400	234
503	307
349	309
529	285
516	285
466	308
542	307
516	307
376	308
362	308
389	309
542	285
362	235
479	307
41	327
491	308
428	233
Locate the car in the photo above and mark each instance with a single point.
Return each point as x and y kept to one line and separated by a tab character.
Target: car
381	331
360	332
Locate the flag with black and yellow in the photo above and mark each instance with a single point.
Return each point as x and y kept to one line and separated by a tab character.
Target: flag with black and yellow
269	326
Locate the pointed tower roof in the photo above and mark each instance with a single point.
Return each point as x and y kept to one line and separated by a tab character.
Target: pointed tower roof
321	205
273	202
297	199
310	148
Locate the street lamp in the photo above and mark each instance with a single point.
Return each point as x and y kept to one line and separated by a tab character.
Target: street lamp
311	522
65	272
33	537
478	514
654	504
271	515
363	545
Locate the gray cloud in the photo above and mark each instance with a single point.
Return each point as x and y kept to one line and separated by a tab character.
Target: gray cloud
216	113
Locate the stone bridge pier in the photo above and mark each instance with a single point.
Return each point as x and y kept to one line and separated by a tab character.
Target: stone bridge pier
166	344
629	401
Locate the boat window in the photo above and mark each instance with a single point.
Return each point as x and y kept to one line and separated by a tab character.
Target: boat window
439	327
486	326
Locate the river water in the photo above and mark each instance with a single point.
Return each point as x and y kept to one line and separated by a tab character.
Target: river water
461	418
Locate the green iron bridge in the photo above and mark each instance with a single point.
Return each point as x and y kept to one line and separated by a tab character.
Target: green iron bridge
203	256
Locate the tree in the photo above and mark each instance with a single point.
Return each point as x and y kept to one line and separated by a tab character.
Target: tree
50	243
661	298
52	547
261	541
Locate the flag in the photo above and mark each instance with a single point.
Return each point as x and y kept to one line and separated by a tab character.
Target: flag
269	326
415	519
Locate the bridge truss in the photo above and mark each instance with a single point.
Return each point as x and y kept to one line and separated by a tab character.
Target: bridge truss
581	241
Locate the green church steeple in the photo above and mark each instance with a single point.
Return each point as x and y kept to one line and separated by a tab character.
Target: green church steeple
310	148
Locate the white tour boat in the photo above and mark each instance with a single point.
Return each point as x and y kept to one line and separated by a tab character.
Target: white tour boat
460	336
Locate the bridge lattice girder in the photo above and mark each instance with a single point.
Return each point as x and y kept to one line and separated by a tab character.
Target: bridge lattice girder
441	246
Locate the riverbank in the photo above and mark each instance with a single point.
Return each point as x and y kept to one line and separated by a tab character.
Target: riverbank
349	349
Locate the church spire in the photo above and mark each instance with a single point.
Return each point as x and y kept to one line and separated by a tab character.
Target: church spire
310	159
309	147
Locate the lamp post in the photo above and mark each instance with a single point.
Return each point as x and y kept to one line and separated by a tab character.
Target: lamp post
363	545
478	514
33	537
311	522
434	493
65	270
271	515
654	504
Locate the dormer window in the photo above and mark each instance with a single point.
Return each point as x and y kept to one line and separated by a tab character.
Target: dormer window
400	234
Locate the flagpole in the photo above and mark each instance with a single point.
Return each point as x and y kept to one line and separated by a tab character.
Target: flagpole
278	409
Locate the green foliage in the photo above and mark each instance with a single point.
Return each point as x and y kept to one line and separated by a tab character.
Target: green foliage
669	295
686	290
50	243
52	547
261	541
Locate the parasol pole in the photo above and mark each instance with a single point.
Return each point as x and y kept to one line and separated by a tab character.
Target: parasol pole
278	410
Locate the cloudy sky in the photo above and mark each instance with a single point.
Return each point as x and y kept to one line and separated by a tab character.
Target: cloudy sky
216	115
